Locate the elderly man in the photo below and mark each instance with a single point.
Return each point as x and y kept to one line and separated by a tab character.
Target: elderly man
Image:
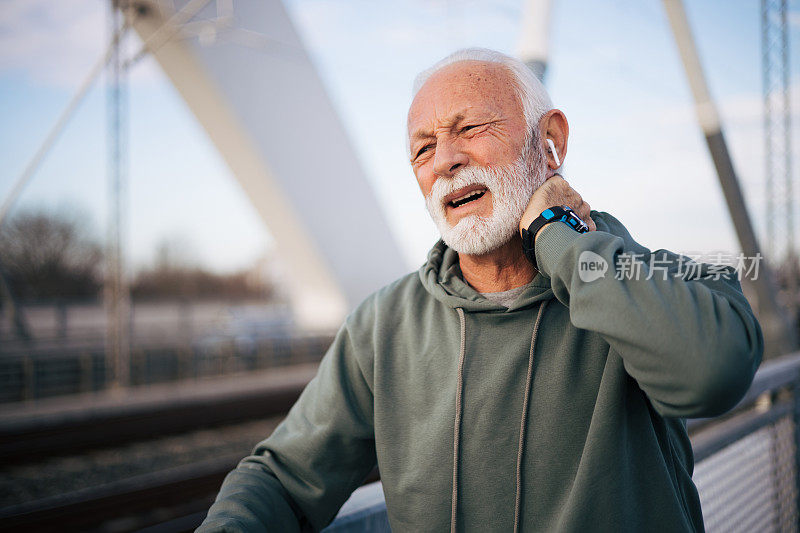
517	381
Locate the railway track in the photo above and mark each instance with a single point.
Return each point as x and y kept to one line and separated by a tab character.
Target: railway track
174	498
169	499
60	426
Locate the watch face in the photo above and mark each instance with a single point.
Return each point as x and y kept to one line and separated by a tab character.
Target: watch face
577	223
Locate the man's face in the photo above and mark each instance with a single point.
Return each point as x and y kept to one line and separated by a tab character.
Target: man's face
467	132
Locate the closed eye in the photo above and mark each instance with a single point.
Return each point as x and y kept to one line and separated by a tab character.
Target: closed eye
471	126
423	150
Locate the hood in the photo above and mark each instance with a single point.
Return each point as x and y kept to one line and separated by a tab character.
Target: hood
441	277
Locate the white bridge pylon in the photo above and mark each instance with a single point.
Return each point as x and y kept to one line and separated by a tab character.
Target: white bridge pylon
246	76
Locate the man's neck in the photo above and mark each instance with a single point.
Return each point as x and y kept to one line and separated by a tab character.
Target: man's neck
501	270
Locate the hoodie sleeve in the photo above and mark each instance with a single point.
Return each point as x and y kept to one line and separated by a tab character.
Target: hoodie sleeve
300	476
687	334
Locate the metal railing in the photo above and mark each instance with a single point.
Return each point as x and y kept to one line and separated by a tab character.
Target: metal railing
42	369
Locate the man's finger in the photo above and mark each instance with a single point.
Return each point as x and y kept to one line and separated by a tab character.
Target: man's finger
588	217
584	212
590	222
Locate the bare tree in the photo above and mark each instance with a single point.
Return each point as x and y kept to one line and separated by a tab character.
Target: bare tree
50	256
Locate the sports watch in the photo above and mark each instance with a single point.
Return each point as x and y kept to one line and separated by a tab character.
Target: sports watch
561	213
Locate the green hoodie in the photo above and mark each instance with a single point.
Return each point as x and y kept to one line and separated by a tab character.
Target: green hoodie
564	411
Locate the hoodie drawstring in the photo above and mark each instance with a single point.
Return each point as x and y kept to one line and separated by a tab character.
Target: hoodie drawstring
523	421
457	424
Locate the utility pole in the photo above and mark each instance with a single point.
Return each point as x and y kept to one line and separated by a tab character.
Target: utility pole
533	47
117	300
778	147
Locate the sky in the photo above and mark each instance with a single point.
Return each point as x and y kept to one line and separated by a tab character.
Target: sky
635	149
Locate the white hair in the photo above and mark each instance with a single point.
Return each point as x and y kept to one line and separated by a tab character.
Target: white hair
530	91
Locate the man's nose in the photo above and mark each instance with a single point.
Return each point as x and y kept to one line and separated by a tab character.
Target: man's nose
448	159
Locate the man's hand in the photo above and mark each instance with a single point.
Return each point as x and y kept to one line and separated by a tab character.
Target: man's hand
555	191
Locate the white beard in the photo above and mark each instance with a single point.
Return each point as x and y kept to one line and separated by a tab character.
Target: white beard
511	187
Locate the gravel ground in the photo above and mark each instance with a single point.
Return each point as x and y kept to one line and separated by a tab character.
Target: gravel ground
60	475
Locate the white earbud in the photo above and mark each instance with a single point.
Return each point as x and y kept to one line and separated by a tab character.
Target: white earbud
553	149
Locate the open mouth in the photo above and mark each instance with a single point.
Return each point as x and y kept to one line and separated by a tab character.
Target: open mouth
471	196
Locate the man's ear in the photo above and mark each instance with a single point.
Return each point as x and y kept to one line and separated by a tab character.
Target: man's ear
553	125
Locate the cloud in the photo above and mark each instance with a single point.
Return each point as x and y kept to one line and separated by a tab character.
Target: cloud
57	43
51	43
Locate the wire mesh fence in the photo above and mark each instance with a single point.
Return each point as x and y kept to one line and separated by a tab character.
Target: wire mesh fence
749	486
746	463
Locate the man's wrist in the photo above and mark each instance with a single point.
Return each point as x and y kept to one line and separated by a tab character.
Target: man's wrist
551	243
539	232
549	216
